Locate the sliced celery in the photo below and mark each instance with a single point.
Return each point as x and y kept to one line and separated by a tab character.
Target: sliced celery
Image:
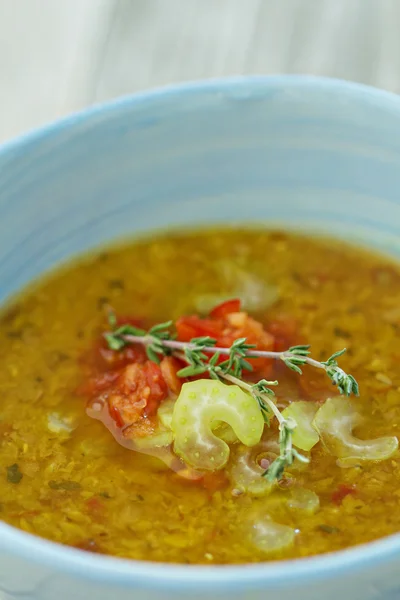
335	421
201	404
304	436
268	536
245	471
302	499
165	412
221	430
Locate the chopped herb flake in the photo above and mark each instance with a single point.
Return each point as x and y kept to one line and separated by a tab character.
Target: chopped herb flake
14	475
102	301
105	495
328	528
65	485
116	284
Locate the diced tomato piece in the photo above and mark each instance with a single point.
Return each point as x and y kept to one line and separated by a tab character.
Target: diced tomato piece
191	327
285	331
94	506
109	359
226	330
341	493
185	330
102	359
157	385
241	325
225	308
137	392
169	369
115	414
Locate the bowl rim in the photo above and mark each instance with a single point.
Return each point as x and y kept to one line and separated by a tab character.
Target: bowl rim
131	573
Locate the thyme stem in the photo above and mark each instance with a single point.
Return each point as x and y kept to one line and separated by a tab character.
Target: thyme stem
250	388
147	340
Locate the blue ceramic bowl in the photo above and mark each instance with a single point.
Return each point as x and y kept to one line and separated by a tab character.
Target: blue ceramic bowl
303	152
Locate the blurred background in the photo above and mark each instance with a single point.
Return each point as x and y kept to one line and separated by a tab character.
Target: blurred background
57	56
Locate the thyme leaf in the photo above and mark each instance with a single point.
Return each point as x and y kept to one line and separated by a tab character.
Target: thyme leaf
287	454
346	383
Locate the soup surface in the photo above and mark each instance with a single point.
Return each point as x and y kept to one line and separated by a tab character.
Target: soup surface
79	480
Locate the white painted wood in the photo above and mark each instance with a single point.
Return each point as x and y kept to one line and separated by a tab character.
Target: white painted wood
48	49
154	42
57	56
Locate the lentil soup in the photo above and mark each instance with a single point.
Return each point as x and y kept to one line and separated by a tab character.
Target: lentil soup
150	444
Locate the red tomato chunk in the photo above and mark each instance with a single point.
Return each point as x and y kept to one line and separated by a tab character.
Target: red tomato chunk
226	330
342	491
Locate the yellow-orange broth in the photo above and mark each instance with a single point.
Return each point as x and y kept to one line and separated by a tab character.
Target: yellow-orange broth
64	477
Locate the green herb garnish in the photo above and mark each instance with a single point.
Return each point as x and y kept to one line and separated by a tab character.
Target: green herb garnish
66	485
105	495
159	341
328	528
14	475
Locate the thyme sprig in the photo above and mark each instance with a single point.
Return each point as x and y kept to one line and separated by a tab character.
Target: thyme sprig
299	355
287	454
154	342
202	355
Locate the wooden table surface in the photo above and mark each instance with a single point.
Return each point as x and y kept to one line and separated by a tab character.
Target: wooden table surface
57	56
